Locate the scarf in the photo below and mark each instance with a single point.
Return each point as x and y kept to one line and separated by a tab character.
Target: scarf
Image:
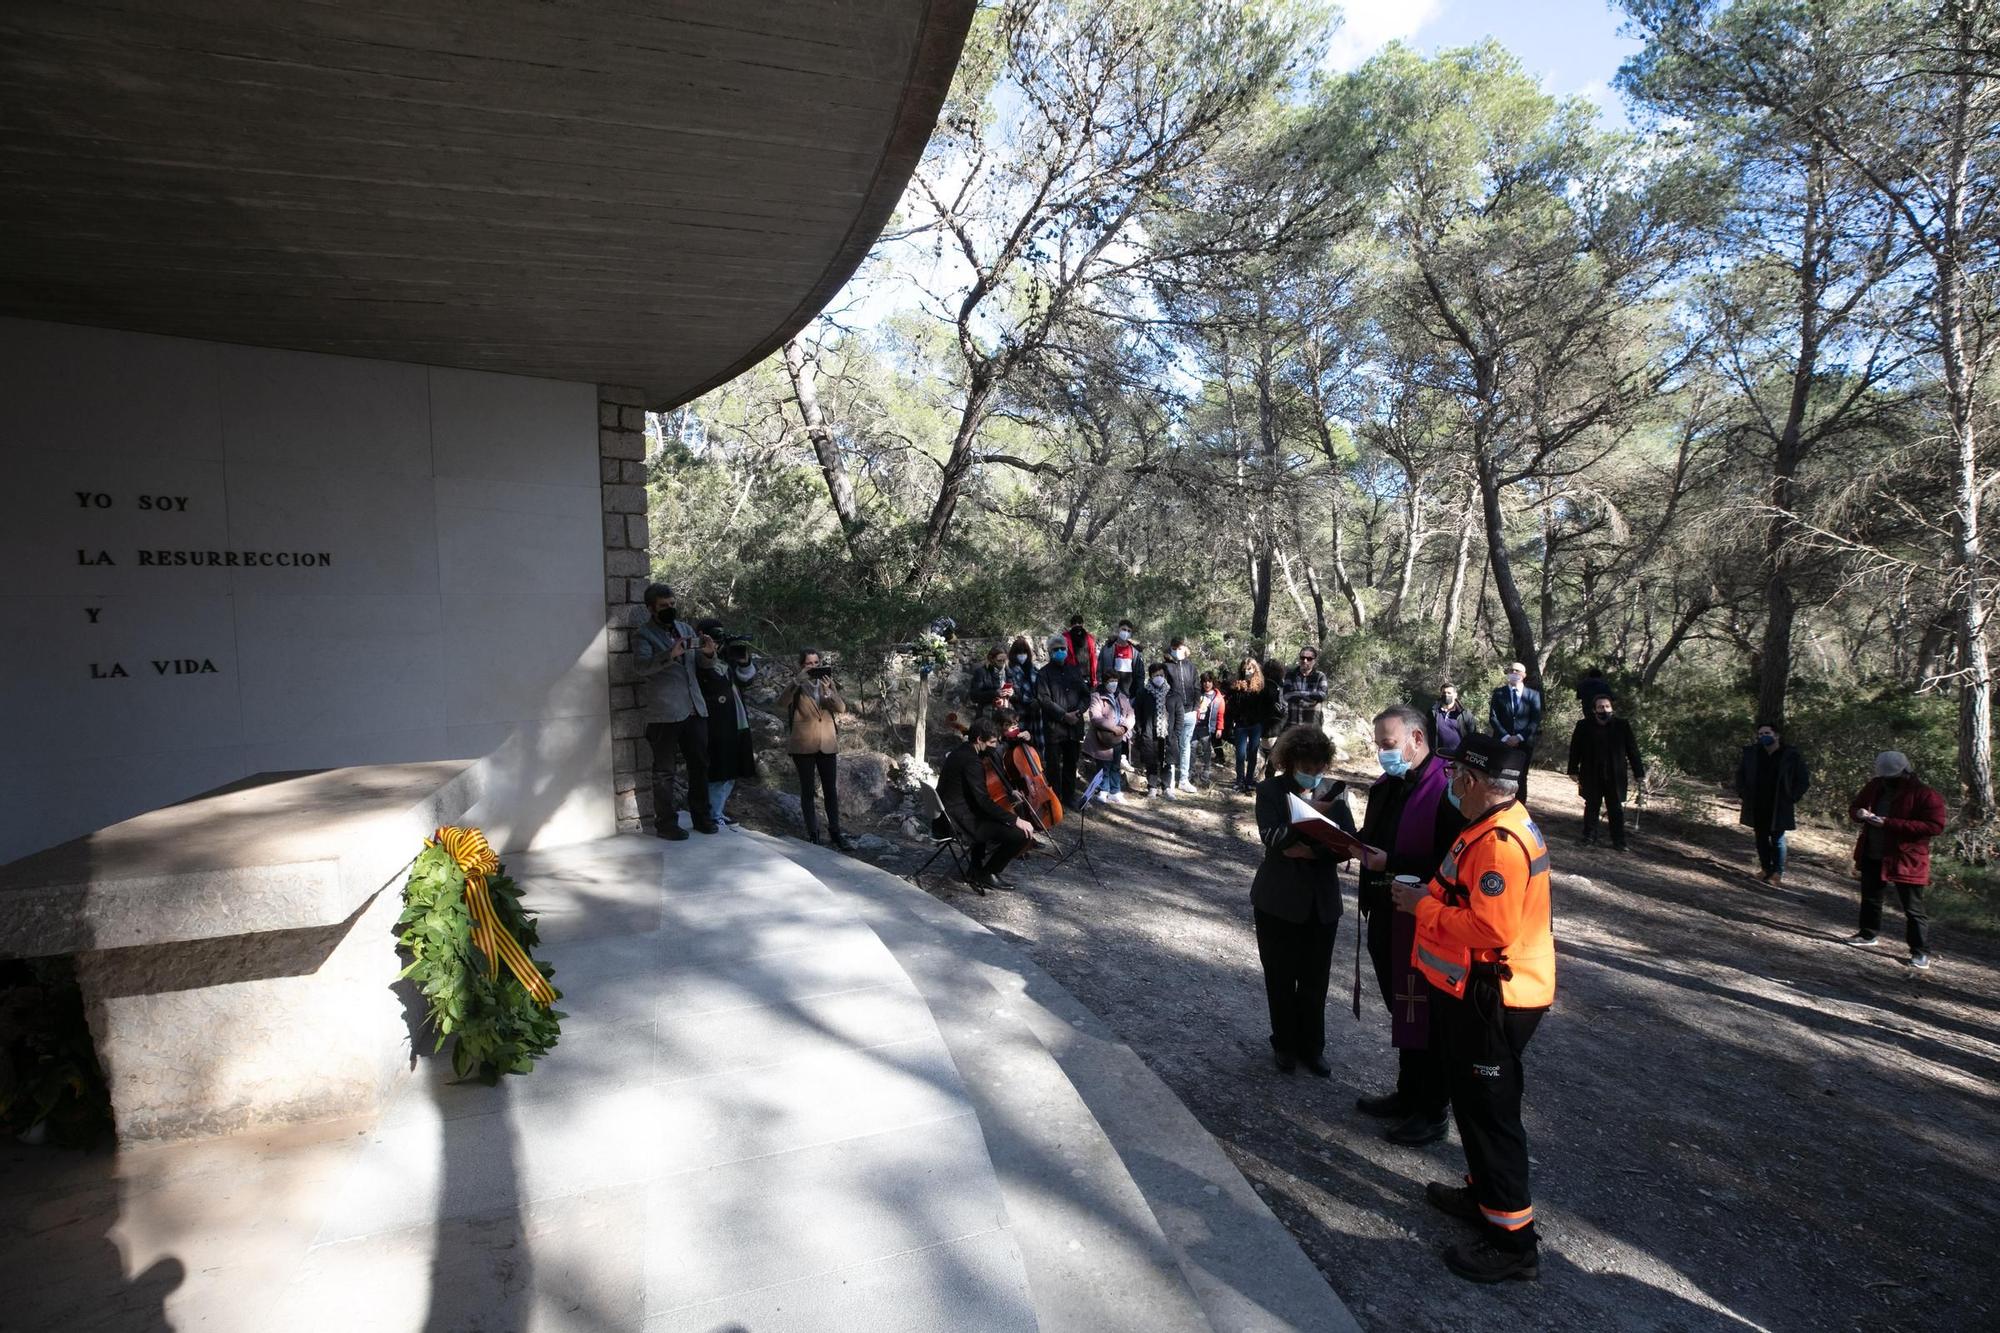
1158	689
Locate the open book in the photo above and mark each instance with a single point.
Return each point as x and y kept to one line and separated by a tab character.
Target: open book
1310	823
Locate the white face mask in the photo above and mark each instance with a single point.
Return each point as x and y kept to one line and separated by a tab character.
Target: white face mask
1124	634
1180	654
1020	659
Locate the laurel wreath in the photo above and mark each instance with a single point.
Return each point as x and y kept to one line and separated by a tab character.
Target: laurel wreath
499	1025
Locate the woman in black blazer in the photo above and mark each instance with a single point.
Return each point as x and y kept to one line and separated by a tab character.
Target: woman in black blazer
1296	898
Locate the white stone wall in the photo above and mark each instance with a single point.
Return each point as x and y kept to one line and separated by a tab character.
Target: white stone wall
459	613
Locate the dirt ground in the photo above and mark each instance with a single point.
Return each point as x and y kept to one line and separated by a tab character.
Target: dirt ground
1736	1122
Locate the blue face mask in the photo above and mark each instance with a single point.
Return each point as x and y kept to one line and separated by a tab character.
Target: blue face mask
1392	762
1058	657
1451	794
1768	742
1308	781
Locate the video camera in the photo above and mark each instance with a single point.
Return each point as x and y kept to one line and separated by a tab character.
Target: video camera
733	648
819	672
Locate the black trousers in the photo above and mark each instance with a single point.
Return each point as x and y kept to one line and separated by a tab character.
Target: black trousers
994	846
1527	766
1614	810
1298	964
1482	1044
1916	921
1419	1073
1063	757
689	737
826	768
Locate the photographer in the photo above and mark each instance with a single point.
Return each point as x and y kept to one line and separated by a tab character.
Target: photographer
988	682
666	652
732	753
812	708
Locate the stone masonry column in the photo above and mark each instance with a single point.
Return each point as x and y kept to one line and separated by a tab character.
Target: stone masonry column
621	449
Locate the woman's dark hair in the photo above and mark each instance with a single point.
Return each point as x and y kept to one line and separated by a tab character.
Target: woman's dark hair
1273	669
1207	678
982	729
804	653
1778	727
996	651
1021	645
1003	718
1301	747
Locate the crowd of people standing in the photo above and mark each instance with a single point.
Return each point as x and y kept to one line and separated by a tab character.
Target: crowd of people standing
1453	872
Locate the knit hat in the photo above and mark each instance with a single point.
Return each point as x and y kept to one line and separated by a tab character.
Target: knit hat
1891	764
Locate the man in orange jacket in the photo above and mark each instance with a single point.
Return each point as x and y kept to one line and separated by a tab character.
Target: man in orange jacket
1485	946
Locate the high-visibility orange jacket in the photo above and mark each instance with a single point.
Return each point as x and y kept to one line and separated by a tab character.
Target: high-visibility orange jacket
1489	903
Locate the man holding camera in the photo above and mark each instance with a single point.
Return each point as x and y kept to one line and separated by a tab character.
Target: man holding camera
668	655
732	750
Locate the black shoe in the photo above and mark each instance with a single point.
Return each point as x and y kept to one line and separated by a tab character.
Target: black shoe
841	842
1587	840
1388	1106
1417	1130
1621	846
979	884
1287	1062
707	827
1317	1066
671	832
1007	884
1483	1261
1454	1201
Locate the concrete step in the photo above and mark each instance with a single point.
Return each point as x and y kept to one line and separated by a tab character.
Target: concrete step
1243	1268
1096	1258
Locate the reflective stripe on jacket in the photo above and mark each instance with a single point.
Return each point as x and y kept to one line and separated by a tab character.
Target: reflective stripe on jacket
1489	905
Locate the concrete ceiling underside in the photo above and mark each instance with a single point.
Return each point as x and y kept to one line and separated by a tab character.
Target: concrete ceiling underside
652	195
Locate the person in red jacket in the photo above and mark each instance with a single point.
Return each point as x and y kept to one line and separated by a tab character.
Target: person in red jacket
1898	816
1083	650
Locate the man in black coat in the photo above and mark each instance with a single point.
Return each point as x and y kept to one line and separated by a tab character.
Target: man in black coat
1771	779
1061	699
1514	712
996	835
1603	755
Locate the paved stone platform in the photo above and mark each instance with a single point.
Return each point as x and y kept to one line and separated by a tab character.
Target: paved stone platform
758	1120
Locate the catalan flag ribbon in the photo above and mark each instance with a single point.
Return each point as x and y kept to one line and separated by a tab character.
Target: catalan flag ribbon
469	848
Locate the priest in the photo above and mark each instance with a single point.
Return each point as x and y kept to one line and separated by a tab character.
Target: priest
1408	828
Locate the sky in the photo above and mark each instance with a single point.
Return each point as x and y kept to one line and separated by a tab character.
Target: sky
1572	45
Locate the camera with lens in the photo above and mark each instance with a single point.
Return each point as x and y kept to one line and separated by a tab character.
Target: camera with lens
737	649
819	672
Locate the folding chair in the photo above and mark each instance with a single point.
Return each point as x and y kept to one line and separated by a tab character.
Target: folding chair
944	835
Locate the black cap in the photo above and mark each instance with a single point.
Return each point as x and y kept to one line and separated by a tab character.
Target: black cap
1488	756
710	627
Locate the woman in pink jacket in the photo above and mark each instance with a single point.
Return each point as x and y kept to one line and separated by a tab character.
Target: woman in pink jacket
1898	816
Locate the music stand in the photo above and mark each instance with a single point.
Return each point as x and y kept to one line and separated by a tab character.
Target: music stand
1083	804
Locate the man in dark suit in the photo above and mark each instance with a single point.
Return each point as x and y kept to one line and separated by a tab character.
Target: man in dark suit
995	834
1515	713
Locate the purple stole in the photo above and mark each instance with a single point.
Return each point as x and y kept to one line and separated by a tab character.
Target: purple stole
1416	838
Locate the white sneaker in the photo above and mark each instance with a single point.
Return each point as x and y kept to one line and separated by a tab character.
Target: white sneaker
1171	793
1187	787
1115	797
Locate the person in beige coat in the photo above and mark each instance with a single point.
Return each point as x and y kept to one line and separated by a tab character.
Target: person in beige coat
812	709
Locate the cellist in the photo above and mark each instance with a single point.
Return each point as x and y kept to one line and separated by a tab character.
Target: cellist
1028	790
995	834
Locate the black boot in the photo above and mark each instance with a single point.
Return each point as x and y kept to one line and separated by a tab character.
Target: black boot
1483	1261
666	819
1389	1106
1417	1130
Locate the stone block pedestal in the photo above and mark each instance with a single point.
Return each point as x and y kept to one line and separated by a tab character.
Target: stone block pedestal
236	952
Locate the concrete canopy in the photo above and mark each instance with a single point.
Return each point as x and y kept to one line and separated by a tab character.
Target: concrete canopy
652	194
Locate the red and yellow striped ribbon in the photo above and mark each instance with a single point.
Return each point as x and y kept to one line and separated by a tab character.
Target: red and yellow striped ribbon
469	848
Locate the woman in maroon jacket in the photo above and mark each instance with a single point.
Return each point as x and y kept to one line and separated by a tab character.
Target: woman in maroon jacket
1898	816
